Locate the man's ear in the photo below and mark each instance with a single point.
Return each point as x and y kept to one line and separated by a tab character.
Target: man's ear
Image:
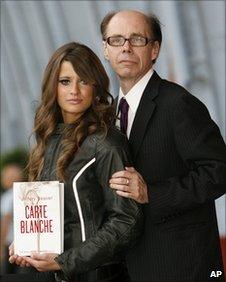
105	50
155	50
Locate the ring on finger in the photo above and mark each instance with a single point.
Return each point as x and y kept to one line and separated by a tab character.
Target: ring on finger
127	181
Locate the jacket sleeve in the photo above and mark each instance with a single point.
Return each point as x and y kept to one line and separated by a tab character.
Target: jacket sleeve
200	145
120	230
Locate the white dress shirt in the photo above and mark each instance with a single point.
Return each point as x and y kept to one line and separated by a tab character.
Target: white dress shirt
133	98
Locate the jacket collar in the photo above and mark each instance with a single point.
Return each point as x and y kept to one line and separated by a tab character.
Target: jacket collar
144	113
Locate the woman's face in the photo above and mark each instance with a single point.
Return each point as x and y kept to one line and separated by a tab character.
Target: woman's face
74	95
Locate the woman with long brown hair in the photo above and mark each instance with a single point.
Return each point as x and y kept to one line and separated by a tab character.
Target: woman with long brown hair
77	144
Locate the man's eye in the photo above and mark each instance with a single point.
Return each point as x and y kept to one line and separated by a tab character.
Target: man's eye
136	39
117	39
64	81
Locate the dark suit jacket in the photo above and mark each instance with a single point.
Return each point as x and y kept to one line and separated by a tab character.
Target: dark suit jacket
179	151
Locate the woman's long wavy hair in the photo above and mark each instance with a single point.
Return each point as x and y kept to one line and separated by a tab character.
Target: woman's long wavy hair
97	118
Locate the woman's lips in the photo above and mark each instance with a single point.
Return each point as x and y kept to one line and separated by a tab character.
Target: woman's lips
74	101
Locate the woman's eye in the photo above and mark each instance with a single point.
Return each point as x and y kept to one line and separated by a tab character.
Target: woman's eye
83	82
64	81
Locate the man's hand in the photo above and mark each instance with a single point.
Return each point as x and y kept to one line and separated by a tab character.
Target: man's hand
43	262
130	184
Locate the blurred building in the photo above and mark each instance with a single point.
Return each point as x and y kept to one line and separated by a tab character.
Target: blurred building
192	54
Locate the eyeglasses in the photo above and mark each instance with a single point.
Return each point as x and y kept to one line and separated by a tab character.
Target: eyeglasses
137	41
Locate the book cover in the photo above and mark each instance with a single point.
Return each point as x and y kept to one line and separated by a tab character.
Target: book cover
38	217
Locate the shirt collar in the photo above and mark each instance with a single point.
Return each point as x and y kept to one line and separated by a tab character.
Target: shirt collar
134	95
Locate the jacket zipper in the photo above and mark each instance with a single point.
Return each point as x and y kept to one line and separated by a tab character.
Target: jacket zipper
74	185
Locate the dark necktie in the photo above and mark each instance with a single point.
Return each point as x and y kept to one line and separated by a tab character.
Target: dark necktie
123	108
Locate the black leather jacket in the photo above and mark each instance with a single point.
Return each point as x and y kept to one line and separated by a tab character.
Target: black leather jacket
99	225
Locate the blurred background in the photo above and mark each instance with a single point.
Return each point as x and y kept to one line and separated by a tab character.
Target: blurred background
192	54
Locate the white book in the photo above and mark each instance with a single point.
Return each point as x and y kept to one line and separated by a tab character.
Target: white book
38	217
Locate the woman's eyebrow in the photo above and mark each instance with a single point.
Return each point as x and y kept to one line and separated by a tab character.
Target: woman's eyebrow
64	76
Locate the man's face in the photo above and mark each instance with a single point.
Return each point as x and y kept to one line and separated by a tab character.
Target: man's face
130	62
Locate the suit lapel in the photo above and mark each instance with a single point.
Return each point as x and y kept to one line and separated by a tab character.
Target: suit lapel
115	109
115	102
144	113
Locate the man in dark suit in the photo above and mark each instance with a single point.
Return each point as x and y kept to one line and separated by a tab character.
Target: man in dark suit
179	159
